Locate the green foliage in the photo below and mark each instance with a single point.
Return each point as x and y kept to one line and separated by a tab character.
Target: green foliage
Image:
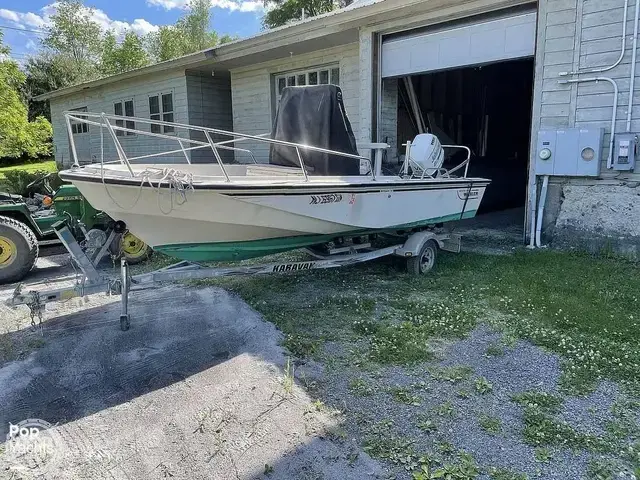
73	32
491	425
287	11
504	474
483	386
16	181
18	136
465	468
544	401
122	57
189	34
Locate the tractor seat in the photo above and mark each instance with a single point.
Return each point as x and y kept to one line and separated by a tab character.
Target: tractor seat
9	197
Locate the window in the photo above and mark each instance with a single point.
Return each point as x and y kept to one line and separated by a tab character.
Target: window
315	76
78	127
124	108
161	108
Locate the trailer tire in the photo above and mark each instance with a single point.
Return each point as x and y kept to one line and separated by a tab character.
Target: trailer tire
18	250
425	260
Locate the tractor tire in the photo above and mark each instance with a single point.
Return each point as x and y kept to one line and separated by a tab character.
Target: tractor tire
18	250
133	249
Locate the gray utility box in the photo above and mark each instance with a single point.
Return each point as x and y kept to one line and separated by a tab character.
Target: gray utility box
573	152
625	151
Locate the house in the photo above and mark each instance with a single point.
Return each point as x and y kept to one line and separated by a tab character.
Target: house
488	74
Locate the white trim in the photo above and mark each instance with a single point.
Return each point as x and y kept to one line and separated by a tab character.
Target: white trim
295	75
161	111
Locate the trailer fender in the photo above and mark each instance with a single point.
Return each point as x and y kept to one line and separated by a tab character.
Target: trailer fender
413	246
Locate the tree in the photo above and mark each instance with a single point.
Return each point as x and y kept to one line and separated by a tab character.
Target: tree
282	12
74	35
190	34
18	136
128	55
47	72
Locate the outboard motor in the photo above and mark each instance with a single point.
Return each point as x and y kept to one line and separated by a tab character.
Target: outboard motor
426	155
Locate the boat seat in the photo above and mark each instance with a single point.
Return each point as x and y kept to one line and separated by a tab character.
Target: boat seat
10	197
426	154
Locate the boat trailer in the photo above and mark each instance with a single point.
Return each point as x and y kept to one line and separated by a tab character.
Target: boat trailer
419	249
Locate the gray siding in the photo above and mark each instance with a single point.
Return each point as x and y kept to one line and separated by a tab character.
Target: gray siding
209	105
102	99
577	35
252	91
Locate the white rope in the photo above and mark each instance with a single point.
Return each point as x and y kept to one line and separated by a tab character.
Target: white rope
178	183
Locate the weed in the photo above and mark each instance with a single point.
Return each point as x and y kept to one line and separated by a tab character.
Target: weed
504	474
491	425
7	350
268	469
446	410
454	374
427	424
399	344
445	448
546	402
405	395
542	455
288	380
463	393
34	343
541	429
494	350
483	386
300	346
465	468
360	387
380	442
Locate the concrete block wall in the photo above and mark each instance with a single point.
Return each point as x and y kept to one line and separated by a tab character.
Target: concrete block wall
578	35
252	92
102	99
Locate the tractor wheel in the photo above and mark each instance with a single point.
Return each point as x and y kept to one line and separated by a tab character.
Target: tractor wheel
18	250
425	261
133	249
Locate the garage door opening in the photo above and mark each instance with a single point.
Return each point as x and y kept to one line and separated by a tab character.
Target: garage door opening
486	108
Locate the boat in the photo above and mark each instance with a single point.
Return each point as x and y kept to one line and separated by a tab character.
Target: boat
316	187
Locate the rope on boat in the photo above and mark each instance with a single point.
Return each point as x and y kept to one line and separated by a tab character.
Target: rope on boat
178	183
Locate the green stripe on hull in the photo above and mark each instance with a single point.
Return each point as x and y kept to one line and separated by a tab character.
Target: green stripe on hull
235	251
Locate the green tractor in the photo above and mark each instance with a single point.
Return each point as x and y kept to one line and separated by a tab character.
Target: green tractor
28	223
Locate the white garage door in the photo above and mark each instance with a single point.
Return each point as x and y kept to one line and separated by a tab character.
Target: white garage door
488	41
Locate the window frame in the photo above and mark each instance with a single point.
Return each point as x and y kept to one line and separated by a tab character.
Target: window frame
125	123
162	113
292	77
84	127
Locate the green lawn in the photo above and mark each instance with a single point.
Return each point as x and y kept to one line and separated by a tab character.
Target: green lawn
48	166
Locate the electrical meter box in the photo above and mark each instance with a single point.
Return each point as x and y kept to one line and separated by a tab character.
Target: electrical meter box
625	151
573	152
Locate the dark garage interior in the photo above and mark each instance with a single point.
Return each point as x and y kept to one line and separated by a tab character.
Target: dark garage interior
488	109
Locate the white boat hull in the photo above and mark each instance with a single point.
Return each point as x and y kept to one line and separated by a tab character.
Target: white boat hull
241	222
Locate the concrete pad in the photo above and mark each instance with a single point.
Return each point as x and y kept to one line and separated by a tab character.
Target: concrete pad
195	389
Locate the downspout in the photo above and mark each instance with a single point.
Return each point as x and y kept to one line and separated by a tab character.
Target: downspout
615	106
633	66
543	200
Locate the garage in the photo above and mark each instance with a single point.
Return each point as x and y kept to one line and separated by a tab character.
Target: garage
469	84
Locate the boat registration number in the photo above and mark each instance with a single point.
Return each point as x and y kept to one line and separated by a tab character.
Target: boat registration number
323	199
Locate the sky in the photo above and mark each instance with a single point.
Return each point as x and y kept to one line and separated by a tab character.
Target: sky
23	21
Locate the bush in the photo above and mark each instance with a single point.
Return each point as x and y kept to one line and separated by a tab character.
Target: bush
16	181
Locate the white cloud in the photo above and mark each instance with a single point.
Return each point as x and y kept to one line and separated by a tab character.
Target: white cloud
231	5
31	20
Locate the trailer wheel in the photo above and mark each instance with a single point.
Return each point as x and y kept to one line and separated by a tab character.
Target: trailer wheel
18	250
425	261
133	249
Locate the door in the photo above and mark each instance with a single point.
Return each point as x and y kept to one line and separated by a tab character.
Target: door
473	44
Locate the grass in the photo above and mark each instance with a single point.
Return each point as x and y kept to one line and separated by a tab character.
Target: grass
48	166
491	425
585	309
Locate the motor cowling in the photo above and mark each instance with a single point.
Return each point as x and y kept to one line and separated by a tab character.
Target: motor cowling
426	153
